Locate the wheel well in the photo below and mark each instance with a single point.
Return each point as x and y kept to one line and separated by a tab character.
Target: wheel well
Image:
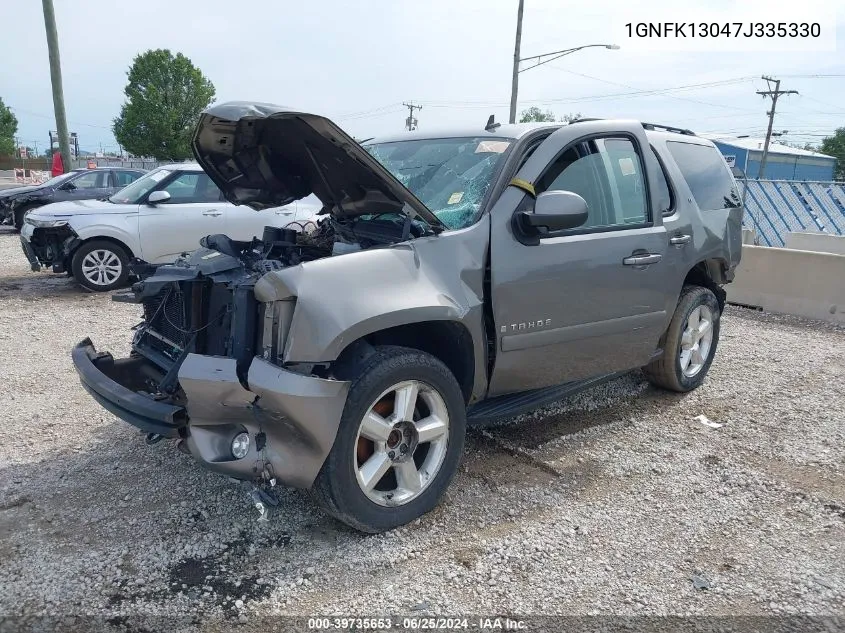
705	274
448	341
113	240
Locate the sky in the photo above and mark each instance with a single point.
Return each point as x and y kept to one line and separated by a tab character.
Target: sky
357	62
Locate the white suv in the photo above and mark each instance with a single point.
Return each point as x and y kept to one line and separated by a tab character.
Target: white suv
154	219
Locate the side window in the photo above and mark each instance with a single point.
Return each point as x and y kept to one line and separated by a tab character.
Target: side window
125	177
192	187
91	180
706	174
663	195
181	188
207	191
608	174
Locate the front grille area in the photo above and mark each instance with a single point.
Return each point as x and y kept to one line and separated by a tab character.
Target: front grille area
166	314
190	316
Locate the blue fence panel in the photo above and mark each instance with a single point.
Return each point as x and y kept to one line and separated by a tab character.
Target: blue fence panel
776	207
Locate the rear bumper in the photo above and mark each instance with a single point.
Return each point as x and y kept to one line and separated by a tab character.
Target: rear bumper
292	419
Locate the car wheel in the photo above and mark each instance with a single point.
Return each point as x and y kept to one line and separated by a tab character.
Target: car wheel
100	265
689	343
399	442
20	214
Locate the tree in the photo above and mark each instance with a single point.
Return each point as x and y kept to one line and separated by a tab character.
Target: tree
165	96
536	115
835	146
8	129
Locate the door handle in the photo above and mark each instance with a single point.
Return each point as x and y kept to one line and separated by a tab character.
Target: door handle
285	212
642	260
680	240
212	212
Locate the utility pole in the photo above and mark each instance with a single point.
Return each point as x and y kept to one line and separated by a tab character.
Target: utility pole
411	122
515	78
774	94
56	80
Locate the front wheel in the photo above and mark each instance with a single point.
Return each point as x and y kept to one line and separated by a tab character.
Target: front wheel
689	343
100	265
400	439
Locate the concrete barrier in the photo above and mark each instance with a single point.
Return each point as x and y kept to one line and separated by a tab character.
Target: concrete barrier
804	283
816	242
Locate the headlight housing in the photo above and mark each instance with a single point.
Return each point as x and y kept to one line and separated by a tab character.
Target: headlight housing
43	224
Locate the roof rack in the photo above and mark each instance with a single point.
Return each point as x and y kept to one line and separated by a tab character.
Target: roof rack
647	126
668	128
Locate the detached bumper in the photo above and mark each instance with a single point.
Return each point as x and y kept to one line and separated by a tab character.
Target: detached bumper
28	251
114	384
292	419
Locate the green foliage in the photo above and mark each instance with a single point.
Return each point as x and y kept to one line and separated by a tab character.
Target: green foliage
536	115
165	96
835	146
8	129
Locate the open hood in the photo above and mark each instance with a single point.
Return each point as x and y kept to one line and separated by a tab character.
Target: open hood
264	155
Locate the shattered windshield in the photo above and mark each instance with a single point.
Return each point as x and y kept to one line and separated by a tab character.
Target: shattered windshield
449	175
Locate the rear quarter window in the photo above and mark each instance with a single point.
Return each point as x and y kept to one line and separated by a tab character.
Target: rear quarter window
706	174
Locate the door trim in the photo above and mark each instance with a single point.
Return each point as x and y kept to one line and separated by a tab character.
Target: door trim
568	333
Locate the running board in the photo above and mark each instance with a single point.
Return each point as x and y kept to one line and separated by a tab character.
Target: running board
516	403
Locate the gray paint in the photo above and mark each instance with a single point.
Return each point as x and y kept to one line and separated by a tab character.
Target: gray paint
427	279
299	415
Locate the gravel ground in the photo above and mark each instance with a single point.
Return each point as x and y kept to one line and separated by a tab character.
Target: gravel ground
617	501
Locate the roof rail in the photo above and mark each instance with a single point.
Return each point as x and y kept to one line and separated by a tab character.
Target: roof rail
668	128
584	119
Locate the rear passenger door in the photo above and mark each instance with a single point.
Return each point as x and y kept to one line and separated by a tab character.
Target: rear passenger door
587	301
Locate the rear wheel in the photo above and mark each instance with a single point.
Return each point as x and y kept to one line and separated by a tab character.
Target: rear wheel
399	442
689	343
100	265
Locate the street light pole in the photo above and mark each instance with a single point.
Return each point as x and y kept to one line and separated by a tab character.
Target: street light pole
539	59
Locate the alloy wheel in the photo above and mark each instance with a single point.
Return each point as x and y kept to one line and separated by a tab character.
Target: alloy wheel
401	443
696	341
102	267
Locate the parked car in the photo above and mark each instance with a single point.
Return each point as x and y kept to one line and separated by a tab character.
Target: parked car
79	184
460	276
154	219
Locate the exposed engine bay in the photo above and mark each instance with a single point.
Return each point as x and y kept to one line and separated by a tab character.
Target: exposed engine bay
204	302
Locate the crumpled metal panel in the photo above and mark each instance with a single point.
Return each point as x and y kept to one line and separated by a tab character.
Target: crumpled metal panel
777	207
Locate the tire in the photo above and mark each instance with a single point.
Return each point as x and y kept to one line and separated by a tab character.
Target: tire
674	370
19	216
113	275
386	377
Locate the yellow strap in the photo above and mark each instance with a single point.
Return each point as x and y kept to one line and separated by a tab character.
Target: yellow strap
526	186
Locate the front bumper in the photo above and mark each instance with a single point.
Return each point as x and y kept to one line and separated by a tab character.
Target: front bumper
30	254
292	419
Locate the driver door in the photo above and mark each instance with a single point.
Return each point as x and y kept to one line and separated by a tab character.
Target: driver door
88	185
591	300
194	210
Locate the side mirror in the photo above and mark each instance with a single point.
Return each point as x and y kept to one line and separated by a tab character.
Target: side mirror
553	211
68	186
157	197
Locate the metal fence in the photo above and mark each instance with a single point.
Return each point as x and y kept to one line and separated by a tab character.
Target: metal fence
777	207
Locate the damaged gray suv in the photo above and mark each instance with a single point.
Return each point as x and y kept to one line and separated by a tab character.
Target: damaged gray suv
453	278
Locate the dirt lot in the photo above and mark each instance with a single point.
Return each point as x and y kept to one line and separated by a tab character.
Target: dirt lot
616	501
